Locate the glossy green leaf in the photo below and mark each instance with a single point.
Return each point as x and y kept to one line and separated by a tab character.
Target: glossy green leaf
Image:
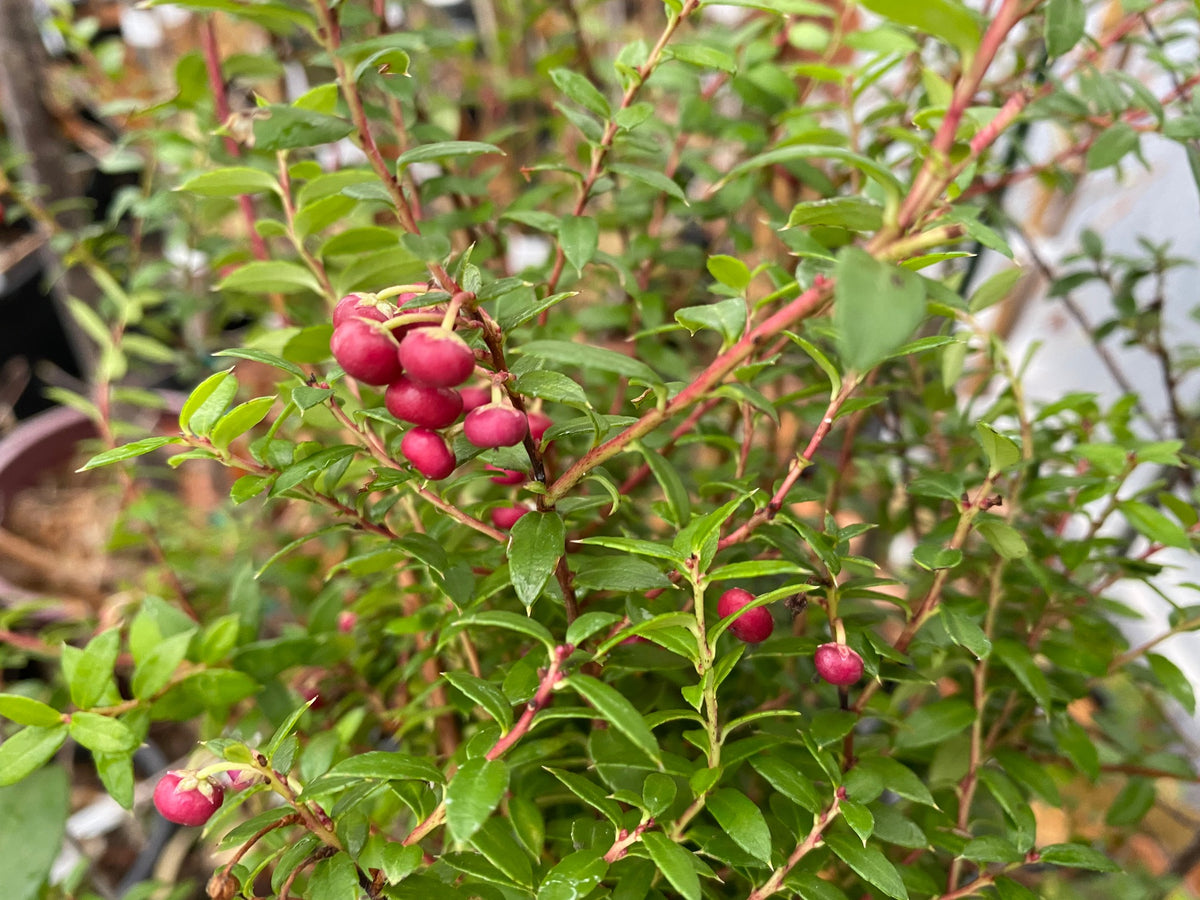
876	308
28	750
869	863
34	813
674	862
743	821
536	544
484	693
473	794
620	713
230	181
574	876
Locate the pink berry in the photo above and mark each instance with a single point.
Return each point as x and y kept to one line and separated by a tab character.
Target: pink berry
420	404
753	625
838	664
353	306
428	453
240	779
495	425
365	352
506	476
505	517
183	798
346	621
474	396
539	424
436	356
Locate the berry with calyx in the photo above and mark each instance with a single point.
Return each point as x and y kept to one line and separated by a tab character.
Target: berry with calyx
473	397
753	625
507	476
495	425
539	423
505	517
428	452
421	404
366	352
838	664
240	779
436	356
353	306
185	799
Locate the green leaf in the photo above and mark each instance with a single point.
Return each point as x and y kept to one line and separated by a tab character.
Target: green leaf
503	619
620	713
230	182
102	734
701	56
290	128
1015	806
536	544
486	694
615	573
239	420
579	237
638	547
94	669
34	814
994	289
335	878
27	750
1003	538
27	711
742	821
127	451
1001	451
1130	806
590	357
511	313
788	781
876	308
947	20
671	483
935	723
674	862
934	556
853	213
876	171
590	793
965	631
729	271
575	876
1065	21
269	359
1112	145
658	793
472	794
1018	660
898	778
446	150
495	841
1077	856
582	91
388	766
651	177
1148	521
726	317
154	671
1169	675
991	848
869	863
273	276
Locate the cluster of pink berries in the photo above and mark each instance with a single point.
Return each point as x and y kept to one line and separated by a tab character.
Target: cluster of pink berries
836	663
422	367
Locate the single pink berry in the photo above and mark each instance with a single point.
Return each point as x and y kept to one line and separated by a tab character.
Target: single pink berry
495	425
353	306
539	424
420	404
366	352
184	799
346	621
507	476
838	664
428	452
753	625
505	517
436	356
474	396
